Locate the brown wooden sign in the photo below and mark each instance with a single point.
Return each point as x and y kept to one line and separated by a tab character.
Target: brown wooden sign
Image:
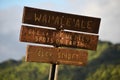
58	38
56	55
60	20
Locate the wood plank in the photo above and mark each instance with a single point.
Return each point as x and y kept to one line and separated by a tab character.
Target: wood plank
60	20
58	38
56	55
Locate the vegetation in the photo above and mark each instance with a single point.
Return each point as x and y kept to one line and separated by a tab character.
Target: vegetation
103	64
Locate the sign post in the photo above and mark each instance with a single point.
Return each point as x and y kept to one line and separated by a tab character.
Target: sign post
52	74
53	69
59	38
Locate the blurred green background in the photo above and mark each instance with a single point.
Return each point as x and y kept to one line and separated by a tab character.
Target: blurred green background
103	64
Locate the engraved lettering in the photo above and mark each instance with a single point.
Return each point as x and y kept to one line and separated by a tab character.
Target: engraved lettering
57	21
31	32
77	23
75	57
44	19
62	56
83	24
61	21
68	21
37	18
38	33
89	24
44	54
40	39
40	53
49	19
69	56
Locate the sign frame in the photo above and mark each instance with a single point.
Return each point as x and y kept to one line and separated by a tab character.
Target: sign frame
58	38
57	20
56	55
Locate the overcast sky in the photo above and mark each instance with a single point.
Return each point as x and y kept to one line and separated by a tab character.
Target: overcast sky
11	16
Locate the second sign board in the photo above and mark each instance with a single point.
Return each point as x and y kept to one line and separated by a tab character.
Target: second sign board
58	38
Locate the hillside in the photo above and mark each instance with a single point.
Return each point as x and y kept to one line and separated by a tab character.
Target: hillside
103	64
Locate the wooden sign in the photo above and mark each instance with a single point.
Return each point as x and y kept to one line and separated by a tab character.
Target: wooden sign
58	38
56	55
60	20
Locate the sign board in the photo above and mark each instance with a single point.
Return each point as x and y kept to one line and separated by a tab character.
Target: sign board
58	38
60	20
56	55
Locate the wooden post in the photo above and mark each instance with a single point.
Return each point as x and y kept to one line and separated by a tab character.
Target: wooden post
54	68
52	71
56	72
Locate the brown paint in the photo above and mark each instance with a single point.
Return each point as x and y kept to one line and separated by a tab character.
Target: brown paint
56	55
58	38
57	19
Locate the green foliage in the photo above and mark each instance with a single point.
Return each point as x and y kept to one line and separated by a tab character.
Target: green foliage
103	64
105	72
100	48
25	71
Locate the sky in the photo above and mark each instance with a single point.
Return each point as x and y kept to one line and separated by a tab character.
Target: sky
11	12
